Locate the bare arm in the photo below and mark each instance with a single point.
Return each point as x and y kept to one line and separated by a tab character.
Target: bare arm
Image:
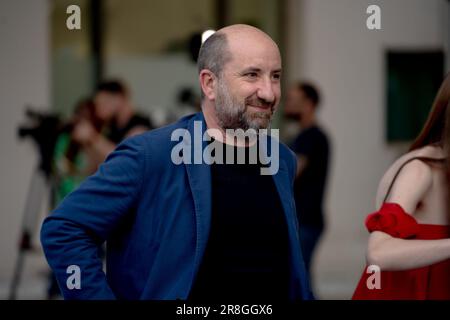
302	163
391	253
95	145
100	147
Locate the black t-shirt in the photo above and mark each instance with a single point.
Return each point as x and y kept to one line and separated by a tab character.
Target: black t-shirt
247	255
116	134
310	185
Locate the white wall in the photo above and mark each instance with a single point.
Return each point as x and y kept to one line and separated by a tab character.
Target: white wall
24	79
346	60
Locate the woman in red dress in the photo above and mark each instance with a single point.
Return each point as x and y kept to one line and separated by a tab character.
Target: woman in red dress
408	253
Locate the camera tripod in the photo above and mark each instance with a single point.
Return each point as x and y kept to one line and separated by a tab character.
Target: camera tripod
44	132
38	189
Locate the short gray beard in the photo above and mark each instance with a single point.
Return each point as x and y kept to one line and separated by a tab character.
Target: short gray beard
232	114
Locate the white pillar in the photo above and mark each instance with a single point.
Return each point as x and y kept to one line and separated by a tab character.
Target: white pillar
24	80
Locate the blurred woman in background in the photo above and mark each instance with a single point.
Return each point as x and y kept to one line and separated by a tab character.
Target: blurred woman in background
71	163
410	232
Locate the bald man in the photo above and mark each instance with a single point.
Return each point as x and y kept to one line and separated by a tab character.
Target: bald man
180	228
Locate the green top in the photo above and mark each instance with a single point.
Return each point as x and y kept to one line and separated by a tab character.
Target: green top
69	175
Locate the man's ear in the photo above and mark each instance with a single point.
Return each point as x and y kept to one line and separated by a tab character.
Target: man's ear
208	82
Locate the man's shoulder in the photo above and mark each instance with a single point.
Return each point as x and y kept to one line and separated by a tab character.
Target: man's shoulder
313	139
161	137
154	147
315	132
157	141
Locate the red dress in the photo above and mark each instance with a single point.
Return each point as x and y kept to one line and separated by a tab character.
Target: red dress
426	283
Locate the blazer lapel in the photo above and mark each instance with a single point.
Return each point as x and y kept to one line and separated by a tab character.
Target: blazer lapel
282	183
199	176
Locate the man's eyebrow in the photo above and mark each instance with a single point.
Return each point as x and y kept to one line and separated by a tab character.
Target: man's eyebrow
256	69
251	69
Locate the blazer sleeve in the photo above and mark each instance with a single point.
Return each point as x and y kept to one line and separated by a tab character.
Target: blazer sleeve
74	232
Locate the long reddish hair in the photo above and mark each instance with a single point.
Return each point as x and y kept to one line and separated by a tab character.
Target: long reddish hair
435	130
437	127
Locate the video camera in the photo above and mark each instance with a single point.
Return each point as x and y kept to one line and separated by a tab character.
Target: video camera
44	129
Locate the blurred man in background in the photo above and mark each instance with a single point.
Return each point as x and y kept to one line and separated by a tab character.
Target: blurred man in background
114	108
312	149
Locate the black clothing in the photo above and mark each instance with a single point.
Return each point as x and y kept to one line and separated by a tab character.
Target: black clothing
247	256
117	134
310	185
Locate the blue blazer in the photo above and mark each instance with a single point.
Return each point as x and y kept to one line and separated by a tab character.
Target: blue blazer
155	218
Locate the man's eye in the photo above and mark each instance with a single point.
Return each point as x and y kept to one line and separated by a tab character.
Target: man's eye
277	76
252	74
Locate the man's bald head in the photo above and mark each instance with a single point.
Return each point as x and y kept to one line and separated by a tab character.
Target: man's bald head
239	73
239	34
220	47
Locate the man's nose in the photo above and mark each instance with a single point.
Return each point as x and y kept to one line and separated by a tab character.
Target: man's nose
266	91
